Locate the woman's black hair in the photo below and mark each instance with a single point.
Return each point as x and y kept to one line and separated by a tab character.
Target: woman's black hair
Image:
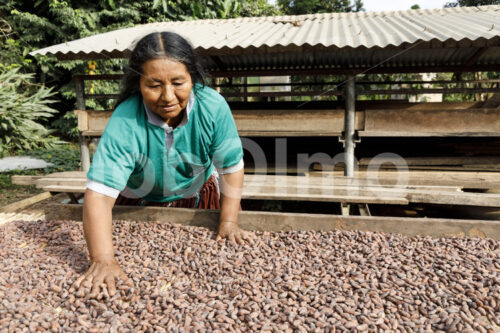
158	45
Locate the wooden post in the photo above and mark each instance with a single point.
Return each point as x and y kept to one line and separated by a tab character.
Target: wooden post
84	145
349	125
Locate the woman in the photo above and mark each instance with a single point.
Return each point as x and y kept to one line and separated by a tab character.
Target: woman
169	142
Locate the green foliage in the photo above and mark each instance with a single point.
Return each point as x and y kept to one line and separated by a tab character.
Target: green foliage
471	3
29	25
67	126
415	6
297	7
258	8
64	157
22	105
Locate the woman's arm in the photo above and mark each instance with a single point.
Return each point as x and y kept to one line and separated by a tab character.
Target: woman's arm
231	186
97	227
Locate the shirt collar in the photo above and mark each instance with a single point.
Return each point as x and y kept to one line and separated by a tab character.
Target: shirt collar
156	120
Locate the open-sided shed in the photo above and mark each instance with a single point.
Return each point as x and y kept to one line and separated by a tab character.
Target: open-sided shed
441	40
414	41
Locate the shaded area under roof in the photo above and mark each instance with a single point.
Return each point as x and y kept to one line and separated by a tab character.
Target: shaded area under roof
450	39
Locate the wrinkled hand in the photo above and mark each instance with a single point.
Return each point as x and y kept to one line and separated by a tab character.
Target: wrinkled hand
102	271
230	230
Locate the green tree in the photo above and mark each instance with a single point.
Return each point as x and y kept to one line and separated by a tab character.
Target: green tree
415	6
29	25
297	7
471	3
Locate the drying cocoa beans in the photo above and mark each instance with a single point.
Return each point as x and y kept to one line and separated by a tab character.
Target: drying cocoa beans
185	281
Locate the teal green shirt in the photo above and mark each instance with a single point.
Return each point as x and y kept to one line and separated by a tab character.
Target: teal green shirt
132	151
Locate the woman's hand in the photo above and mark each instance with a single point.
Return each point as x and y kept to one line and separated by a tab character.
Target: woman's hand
97	228
101	271
230	230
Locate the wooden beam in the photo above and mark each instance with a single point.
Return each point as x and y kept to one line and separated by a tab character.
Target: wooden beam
262	194
320	93
433	160
470	122
284	93
287	122
270	183
25	180
102	96
464	179
364	70
82	119
371	195
269	221
358	83
427	91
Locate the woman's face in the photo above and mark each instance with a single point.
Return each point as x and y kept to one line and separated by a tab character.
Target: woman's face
165	87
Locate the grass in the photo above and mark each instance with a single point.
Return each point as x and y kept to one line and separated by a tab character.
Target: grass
64	157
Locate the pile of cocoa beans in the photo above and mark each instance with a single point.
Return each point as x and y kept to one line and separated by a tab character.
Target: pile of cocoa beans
284	282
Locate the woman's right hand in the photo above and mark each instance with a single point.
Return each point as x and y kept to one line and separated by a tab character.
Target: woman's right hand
101	271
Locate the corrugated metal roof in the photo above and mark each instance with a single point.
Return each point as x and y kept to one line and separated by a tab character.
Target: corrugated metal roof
250	42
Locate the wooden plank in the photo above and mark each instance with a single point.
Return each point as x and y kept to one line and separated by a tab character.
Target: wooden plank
291	183
427	119
64	188
388	166
287	196
470	122
360	105
82	117
477	180
421	132
330	182
342	194
465	179
249	133
290	122
97	120
260	195
433	161
270	221
467	168
328	122
355	195
25	203
43	182
67	174
25	180
359	92
24	215
93	133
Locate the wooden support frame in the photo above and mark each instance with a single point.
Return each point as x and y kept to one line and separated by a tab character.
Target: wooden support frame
354	71
269	221
349	126
417	122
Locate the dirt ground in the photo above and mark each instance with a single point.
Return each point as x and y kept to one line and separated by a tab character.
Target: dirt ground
17	193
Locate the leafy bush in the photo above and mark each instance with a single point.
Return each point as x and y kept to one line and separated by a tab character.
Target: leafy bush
22	106
63	157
